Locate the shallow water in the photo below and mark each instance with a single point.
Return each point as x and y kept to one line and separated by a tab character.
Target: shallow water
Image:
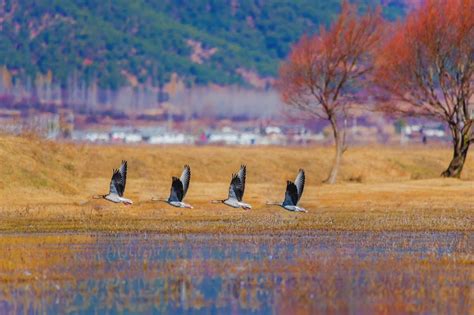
292	273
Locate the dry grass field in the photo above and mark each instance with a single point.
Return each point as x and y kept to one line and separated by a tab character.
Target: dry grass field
46	186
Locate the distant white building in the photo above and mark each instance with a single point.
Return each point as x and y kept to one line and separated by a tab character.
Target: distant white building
97	137
171	138
118	136
248	138
434	133
273	129
133	138
224	137
430	130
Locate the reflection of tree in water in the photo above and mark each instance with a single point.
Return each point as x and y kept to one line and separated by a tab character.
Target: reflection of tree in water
297	275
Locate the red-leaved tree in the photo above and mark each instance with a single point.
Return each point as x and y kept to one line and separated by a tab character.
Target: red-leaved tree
427	67
323	71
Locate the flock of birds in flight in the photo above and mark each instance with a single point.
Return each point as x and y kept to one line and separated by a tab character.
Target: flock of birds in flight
179	188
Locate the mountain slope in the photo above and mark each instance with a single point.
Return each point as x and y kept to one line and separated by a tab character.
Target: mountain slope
120	41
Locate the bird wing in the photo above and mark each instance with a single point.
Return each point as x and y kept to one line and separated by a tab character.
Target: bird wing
291	194
185	179
116	184
242	176
123	173
177	192
299	182
235	188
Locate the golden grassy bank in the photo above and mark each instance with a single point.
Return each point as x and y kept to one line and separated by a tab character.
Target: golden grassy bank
47	186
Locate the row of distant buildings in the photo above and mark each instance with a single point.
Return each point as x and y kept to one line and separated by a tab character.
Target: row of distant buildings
64	124
224	136
271	135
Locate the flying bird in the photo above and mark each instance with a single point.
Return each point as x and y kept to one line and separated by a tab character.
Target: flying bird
117	186
294	190
236	191
179	188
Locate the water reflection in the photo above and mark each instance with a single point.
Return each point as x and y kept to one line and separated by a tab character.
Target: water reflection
297	273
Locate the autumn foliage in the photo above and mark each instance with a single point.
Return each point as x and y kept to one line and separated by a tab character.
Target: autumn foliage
427	66
324	70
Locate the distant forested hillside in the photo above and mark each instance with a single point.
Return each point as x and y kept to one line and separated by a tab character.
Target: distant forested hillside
123	42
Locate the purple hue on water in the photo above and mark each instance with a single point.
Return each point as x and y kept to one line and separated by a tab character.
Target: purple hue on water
298	273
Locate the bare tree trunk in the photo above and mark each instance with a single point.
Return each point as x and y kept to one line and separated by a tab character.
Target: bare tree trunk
461	141
339	139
